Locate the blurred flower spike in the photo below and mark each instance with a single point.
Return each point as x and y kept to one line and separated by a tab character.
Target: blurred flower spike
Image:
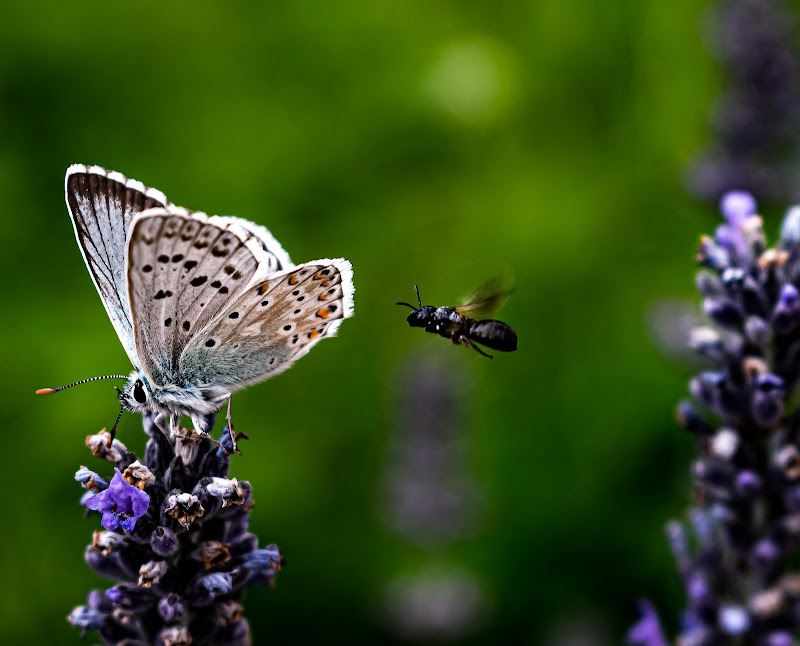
175	544
736	552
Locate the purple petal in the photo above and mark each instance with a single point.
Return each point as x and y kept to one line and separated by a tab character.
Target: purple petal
737	205
647	631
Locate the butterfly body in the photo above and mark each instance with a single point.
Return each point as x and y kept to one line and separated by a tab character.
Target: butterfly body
203	305
449	323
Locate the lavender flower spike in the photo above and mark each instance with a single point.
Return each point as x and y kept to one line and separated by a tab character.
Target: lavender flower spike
121	504
176	544
737	554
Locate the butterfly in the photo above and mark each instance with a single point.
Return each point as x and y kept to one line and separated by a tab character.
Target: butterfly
203	305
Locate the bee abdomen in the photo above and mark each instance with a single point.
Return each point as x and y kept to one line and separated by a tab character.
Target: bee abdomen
493	334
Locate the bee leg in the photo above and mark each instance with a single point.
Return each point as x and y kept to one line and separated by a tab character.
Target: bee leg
468	342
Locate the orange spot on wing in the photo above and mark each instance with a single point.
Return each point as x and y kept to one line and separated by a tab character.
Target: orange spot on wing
326	282
323	297
313	335
262	288
323	313
317	276
293	279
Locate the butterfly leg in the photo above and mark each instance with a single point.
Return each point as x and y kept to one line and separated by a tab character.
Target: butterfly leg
203	423
230	428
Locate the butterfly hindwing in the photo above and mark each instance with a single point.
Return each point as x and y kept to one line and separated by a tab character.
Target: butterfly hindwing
183	270
277	320
102	205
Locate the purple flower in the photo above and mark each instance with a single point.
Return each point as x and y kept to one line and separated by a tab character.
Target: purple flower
736	206
647	631
121	504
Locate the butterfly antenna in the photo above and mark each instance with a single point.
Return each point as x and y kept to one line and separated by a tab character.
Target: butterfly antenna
407	305
49	391
416	289
114	428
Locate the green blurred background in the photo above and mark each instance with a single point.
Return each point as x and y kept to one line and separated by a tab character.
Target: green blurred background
428	142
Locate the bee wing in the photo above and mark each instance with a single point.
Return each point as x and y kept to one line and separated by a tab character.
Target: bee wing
488	298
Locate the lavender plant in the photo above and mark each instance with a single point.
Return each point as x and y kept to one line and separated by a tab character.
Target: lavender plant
736	554
754	134
175	542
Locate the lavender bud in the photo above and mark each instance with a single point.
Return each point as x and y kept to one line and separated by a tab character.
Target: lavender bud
86	618
707	388
708	284
734	620
757	330
748	484
706	341
792	498
790	229
690	419
164	541
699	592
724	444
781	638
786	314
183	507
711	255
151	573
90	480
228	491
736	206
172	608
130	597
174	636
204	588
138	475
768	399
787	460
724	313
768	604
765	555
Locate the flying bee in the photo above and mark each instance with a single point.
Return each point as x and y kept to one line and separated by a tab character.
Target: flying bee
450	322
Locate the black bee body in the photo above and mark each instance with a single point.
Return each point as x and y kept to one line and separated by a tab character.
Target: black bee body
449	323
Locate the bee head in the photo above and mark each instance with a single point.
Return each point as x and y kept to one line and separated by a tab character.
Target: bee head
422	316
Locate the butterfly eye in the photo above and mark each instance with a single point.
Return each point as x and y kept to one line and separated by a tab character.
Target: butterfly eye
138	392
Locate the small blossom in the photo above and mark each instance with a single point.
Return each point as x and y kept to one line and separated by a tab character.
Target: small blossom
211	553
139	475
90	480
228	490
736	206
183	507
151	572
98	445
121	504
647	631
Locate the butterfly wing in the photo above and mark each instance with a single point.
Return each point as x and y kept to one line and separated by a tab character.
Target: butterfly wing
102	205
267	240
183	270
270	325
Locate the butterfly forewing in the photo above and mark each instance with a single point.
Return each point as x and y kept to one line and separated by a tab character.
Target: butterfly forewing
183	270
277	320
102	205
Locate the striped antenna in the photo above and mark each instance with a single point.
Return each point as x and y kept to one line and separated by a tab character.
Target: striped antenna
49	391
